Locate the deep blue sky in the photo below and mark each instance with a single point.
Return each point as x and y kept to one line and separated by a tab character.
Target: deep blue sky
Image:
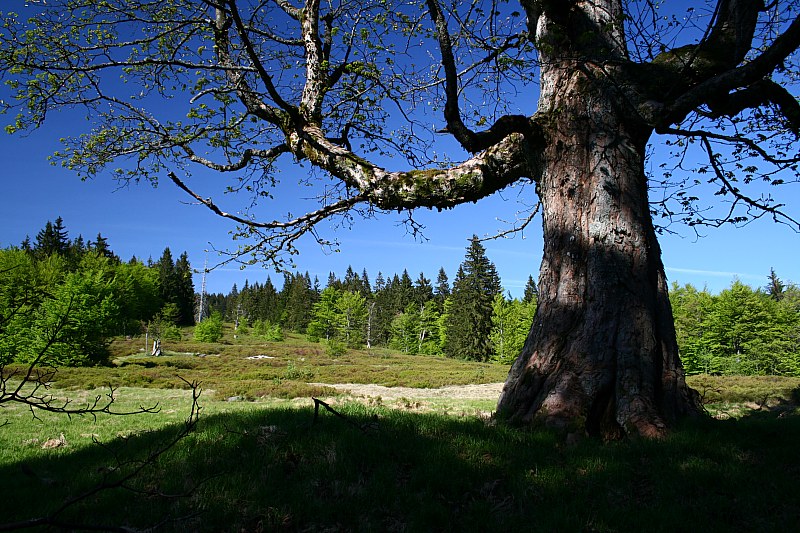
141	221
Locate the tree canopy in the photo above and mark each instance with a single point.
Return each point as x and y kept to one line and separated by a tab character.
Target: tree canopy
252	83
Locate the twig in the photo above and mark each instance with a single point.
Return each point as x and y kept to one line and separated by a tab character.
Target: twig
372	425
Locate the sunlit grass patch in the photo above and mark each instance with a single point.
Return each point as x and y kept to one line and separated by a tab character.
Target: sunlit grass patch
403	464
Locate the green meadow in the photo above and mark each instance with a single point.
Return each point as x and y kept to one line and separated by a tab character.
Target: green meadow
258	458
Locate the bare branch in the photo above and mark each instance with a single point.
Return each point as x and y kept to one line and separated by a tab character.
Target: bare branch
517	226
118	477
761	207
760	93
471	141
266	79
740	139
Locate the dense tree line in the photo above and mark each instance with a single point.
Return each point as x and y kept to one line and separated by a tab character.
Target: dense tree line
85	293
741	330
470	320
83	290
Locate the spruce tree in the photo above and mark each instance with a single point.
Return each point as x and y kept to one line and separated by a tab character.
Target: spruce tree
184	296
379	282
366	289
177	287
334	282
166	276
469	322
442	290
775	286
404	291
52	239
531	293
101	247
384	310
298	296
77	248
423	291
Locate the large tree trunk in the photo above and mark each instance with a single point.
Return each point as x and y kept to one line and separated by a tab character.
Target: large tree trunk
602	354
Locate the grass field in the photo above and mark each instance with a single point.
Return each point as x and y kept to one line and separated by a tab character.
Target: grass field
392	465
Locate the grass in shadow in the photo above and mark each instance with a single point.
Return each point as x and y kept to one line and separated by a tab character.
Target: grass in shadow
275	470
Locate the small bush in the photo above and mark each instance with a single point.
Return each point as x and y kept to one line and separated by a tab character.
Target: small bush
171	332
297	373
209	330
268	330
335	348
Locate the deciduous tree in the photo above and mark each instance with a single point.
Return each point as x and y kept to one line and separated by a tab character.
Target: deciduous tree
336	85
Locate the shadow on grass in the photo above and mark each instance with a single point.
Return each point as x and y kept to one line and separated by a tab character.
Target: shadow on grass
273	470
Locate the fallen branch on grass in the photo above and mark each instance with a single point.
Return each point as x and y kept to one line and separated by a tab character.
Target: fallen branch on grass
372	425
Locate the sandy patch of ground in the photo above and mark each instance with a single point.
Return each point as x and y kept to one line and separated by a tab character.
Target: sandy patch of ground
485	391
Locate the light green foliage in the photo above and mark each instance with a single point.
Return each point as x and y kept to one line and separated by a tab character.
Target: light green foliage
405	329
751	333
266	330
352	310
209	330
335	348
325	319
442	322
416	330
740	331
339	315
428	335
511	322
138	287
72	323
19	296
690	309
60	300
164	324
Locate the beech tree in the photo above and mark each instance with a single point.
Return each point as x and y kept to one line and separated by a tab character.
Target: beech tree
338	86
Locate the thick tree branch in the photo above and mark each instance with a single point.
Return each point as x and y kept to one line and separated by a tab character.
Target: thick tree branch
731	37
452	115
266	79
316	71
719	86
245	159
471	141
288	8
760	93
492	170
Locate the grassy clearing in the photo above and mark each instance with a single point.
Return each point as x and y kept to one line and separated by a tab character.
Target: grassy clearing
269	467
422	464
283	369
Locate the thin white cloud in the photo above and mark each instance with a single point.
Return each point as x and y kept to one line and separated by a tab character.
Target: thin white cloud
713	273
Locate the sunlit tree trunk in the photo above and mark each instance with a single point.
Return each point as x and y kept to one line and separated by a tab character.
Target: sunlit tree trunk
602	354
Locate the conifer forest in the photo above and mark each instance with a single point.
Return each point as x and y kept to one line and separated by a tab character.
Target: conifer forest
91	295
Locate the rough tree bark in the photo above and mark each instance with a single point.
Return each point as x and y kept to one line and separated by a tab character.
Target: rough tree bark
602	353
